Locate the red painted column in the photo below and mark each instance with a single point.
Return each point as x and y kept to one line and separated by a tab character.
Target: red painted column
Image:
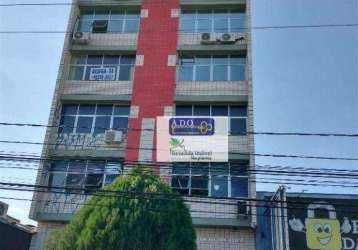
154	82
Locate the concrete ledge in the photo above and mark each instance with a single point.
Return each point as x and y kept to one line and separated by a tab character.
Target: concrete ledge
213	48
102	98
213	2
221	222
90	153
123	49
93	3
212	98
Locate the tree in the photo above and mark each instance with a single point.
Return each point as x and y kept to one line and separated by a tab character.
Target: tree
128	219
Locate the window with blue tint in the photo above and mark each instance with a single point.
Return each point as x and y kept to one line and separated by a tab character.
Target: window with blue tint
210	179
119	21
67	124
184	110
219	110
77	166
69	109
102	124
120	124
219	21
122	110
212	68
104	109
239	187
237	126
239	111
201	110
119	68
95	167
87	109
84	124
83	176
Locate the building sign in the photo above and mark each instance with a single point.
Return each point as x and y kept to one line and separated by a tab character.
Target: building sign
328	224
192	139
103	74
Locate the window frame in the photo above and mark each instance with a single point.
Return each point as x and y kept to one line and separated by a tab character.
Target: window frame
93	116
210	177
212	17
85	65
66	172
109	18
229	67
228	113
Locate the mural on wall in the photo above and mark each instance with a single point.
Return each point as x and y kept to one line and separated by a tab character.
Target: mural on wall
322	224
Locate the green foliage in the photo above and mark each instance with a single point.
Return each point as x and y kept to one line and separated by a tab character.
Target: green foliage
123	222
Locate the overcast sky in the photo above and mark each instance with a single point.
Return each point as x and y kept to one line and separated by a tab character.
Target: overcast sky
305	80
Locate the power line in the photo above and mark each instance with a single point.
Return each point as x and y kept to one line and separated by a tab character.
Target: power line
244	133
154	149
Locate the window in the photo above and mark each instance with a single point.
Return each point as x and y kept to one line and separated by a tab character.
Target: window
93	118
88	175
212	68
210	179
102	68
219	21
236	114
113	21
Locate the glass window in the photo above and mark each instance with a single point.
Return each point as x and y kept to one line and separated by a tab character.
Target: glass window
187	25
201	110
93	182
131	26
120	123
184	110
102	124
219	110
220	73
219	21
84	124
57	179
237	126
120	68
240	111
69	109
59	166
204	25
104	109
202	73
95	167
116	21
67	124
110	178
237	72
122	110
186	73
93	118
239	187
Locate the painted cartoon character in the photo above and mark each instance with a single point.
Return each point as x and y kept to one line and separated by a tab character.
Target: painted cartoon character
321	233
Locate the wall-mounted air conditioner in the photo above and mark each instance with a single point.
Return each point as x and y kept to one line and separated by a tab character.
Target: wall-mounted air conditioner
207	39
113	136
80	37
226	38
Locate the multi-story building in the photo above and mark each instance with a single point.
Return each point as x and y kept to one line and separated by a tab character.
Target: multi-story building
126	62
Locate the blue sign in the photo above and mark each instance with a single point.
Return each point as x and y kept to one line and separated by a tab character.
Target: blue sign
192	126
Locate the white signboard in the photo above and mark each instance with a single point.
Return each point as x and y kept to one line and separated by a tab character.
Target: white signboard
192	139
103	74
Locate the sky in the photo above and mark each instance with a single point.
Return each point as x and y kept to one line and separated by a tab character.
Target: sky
305	80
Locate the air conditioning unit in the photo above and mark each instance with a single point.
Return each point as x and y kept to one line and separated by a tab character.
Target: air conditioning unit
80	37
207	39
3	209
113	136
227	38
